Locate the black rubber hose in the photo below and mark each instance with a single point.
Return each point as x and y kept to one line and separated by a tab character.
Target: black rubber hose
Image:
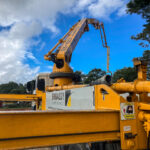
148	141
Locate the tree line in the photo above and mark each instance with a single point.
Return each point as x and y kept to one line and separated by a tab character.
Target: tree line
128	73
12	88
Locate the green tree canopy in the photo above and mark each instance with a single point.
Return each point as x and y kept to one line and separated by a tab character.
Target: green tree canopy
141	7
93	75
128	73
146	57
12	88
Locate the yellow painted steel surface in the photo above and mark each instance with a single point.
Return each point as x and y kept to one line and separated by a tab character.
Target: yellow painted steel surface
137	86
106	98
18	97
65	87
39	97
65	80
138	140
55	140
144	106
141	67
44	128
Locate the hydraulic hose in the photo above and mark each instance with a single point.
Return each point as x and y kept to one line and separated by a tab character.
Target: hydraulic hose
148	141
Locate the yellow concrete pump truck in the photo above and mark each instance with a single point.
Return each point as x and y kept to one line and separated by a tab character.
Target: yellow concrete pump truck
99	116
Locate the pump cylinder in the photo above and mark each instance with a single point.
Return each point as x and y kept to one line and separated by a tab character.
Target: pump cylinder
137	87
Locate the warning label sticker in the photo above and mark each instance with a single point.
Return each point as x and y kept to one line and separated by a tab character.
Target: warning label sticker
127	111
127	128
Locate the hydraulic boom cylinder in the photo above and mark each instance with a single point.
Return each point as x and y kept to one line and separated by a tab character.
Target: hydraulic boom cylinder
137	87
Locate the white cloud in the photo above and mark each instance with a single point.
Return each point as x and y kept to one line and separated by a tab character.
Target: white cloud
13	48
44	11
122	11
104	8
23	30
81	5
27	18
50	67
42	46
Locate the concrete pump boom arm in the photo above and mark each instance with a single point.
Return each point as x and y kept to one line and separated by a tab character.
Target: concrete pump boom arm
67	44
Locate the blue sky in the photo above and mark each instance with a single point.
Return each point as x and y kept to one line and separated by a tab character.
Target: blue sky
89	52
29	29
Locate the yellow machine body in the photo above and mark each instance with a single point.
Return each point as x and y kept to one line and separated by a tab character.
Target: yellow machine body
24	129
121	113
